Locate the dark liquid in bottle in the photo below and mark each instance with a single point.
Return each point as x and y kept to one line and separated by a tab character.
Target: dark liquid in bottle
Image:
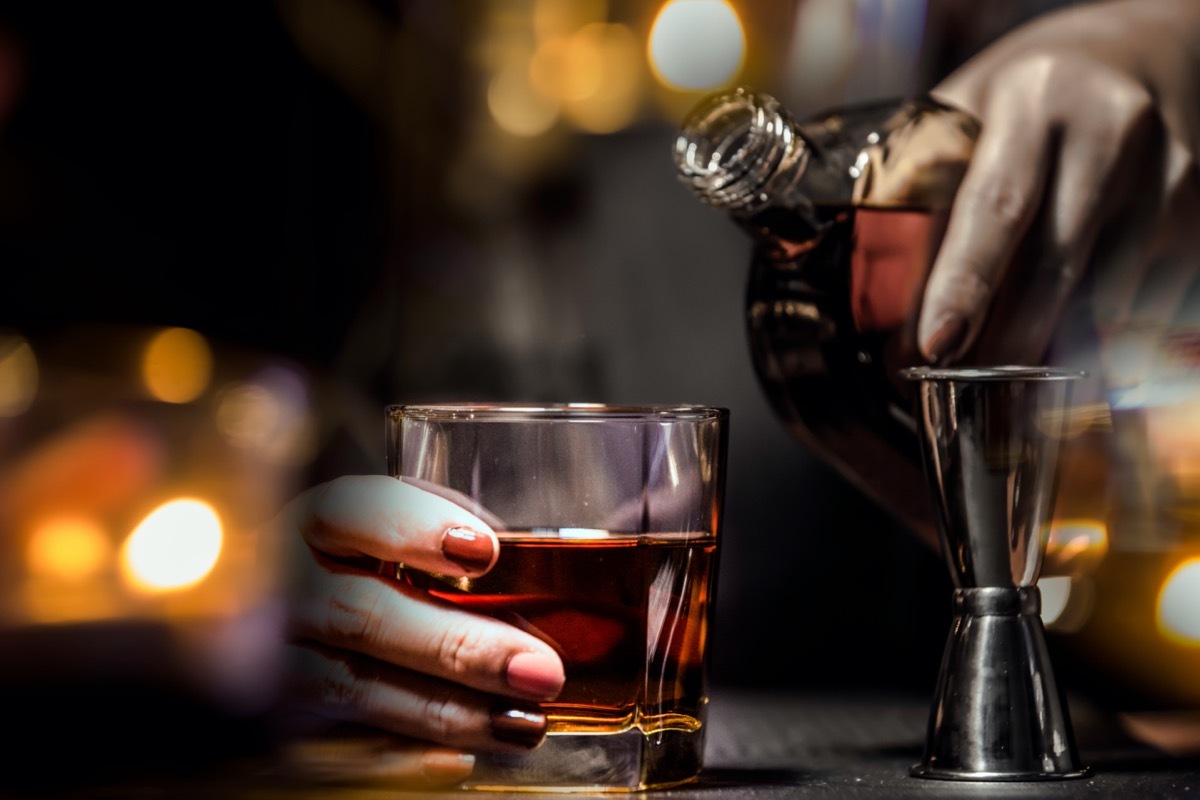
832	306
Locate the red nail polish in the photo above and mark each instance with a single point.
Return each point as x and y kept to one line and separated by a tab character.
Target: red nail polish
472	551
523	726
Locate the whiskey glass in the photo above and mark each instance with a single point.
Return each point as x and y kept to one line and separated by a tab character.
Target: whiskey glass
609	520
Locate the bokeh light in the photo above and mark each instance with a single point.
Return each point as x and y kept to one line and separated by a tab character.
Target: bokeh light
1075	546
612	102
566	68
696	45
1179	604
176	546
516	105
18	375
68	548
177	365
552	18
246	414
268	416
1056	592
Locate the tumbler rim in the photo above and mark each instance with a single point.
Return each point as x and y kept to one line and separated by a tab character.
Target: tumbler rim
1007	372
518	411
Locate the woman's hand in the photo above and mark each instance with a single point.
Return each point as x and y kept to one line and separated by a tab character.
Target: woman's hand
1085	170
435	681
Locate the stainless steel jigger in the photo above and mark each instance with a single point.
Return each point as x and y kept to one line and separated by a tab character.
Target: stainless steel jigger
990	443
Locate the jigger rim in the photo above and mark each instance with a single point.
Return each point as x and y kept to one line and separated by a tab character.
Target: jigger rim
1008	372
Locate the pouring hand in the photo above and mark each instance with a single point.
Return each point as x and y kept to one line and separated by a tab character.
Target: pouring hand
1085	170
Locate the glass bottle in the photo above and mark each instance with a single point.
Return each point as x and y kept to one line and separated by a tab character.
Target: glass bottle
845	212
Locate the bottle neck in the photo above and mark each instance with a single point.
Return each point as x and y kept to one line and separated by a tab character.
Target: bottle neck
739	150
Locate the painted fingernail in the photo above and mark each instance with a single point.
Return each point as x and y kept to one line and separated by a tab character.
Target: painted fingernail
525	727
946	339
450	766
537	674
470	550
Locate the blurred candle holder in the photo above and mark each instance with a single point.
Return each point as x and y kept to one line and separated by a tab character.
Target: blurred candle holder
141	596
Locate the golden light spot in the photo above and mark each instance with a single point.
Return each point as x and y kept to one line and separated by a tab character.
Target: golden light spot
696	45
1075	545
69	548
18	376
177	365
1179	604
566	68
516	106
612	103
558	17
176	546
1069	423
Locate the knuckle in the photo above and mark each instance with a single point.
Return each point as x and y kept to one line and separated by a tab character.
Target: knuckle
442	717
965	288
338	685
1000	199
319	517
1135	104
1182	181
1039	77
351	617
460	648
973	289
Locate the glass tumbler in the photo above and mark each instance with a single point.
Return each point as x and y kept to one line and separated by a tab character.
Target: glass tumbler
609	521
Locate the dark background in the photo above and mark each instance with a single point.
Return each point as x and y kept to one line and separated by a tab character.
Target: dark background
200	164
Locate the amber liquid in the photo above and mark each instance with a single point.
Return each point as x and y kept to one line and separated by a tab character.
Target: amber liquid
629	615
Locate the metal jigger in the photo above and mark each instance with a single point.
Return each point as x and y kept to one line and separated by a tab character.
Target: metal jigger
990	441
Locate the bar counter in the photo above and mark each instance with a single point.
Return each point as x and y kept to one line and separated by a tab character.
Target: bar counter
847	746
762	745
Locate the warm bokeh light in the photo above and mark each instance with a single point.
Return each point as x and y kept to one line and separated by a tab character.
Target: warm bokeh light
1075	546
1179	604
268	416
1071	422
552	18
518	107
68	548
18	375
566	68
613	102
173	548
177	365
696	45
247	414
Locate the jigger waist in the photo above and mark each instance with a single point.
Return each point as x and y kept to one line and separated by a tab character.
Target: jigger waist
1006	601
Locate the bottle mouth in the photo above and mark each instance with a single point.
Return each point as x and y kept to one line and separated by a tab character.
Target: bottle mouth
731	144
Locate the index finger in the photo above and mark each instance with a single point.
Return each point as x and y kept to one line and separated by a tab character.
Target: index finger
992	211
384	518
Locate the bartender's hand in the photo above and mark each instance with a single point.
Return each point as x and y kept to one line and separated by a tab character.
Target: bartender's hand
435	681
1085	170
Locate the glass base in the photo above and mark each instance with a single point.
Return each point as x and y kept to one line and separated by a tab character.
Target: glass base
628	761
926	771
